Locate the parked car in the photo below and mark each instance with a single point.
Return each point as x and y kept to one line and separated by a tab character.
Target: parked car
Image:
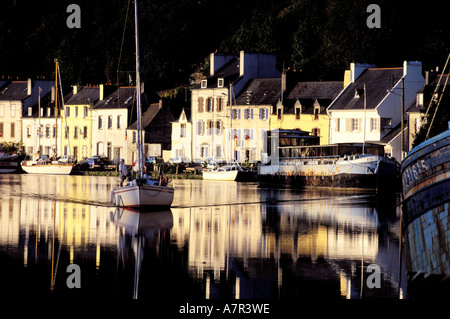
98	161
66	159
179	159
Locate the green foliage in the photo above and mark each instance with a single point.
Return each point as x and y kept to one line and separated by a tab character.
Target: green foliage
320	37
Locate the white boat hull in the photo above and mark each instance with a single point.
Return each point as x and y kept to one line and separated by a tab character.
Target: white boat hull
220	175
142	196
53	169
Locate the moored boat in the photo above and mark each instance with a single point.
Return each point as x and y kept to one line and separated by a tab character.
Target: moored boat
33	167
9	163
232	172
426	223
141	191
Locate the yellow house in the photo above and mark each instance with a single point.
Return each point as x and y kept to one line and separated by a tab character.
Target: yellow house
305	108
77	121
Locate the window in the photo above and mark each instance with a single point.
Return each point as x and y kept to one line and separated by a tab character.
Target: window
67	111
134	137
200	128
2	110
85	112
236	114
100	122
219	104
204	84
355	124
219	127
338	125
316	112
109	122
76	111
279	113
128	100
386	122
297	113
75	132
30	111
85	132
263	114
54	131
66	132
119	121
28	131
209	127
1	129
220	82
316	131
13	110
13	129
210	104
248	114
373	124
183	130
47	131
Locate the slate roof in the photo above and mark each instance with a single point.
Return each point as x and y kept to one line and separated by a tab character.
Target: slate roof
428	91
15	91
309	93
378	83
123	97
260	92
229	72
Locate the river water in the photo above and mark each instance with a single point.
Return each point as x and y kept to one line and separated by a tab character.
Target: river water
220	240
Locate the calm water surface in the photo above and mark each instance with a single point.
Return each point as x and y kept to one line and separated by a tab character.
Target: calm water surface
219	240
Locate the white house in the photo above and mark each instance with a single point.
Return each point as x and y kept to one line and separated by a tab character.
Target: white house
15	98
370	106
110	119
182	136
211	111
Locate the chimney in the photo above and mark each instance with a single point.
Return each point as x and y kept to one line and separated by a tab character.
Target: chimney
427	77
75	89
29	87
241	63
283	85
211	64
101	92
53	94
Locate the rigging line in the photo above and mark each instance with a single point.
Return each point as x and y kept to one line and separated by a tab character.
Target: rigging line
437	106
437	86
123	39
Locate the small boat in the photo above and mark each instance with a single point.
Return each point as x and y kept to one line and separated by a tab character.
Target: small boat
141	191
425	219
233	172
53	168
9	163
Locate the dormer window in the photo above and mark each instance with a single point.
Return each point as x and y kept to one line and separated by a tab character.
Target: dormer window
359	93
419	100
30	111
220	82
298	110
279	110
204	84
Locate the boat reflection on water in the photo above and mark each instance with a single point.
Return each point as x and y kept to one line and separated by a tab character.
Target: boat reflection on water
143	228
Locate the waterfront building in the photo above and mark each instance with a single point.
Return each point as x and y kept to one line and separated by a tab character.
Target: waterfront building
156	132
111	117
304	108
41	130
250	119
369	109
78	122
15	99
211	115
182	135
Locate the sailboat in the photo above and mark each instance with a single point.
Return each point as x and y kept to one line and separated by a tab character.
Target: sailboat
142	191
45	165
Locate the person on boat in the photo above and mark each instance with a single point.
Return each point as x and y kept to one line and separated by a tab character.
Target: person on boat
122	171
163	180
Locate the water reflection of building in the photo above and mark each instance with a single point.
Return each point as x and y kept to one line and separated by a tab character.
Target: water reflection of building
278	245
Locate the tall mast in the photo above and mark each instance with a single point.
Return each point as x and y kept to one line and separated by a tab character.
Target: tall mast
56	107
138	93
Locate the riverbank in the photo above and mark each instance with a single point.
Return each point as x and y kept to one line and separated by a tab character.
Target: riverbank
169	176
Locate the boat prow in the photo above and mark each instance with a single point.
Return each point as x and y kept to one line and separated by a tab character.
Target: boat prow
144	193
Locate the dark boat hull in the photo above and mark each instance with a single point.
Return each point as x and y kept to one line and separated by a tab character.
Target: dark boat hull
426	222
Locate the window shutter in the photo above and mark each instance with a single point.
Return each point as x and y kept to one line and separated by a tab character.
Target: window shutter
200	105
359	125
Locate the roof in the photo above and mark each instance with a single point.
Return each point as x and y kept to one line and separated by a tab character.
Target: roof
309	94
260	92
428	91
123	97
229	72
15	91
86	95
378	84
